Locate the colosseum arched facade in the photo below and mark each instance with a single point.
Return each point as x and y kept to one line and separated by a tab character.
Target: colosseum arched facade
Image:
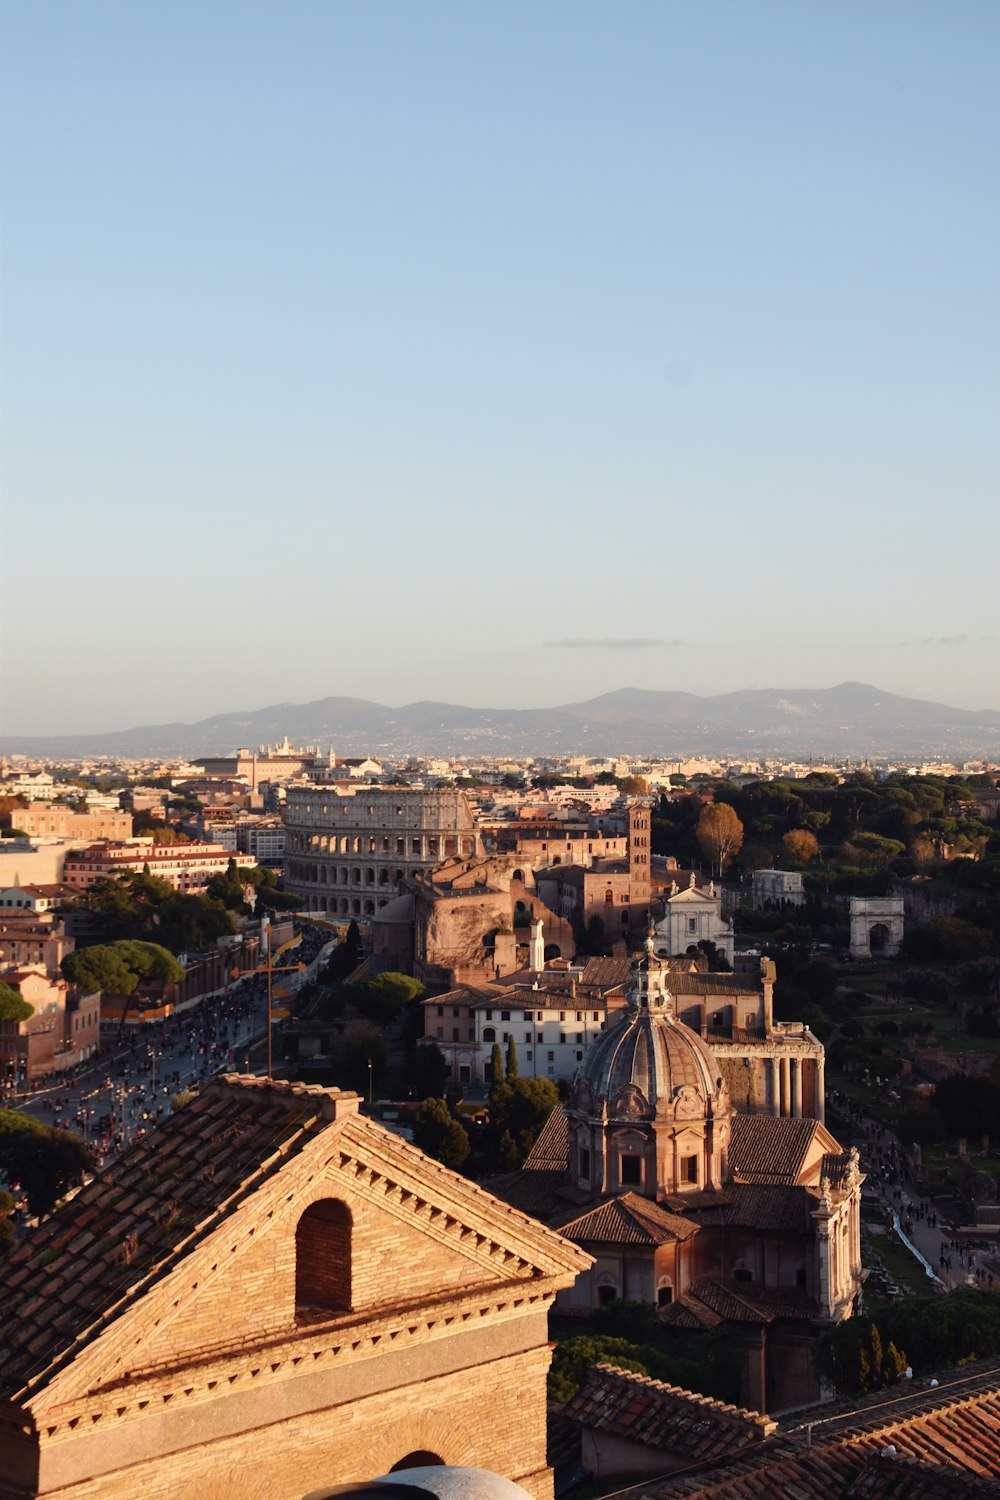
349	854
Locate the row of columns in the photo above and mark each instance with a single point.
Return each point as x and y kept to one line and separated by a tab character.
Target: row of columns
786	1087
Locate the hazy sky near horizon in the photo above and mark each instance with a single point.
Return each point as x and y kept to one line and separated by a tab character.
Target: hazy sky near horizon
498	353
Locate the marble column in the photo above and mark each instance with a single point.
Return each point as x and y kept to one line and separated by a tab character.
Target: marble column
820	1109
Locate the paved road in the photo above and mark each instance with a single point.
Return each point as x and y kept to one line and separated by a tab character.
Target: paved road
919	1218
127	1088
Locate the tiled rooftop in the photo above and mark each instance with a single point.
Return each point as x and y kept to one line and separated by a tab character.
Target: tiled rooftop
551	1149
692	1427
945	1442
628	1220
606	973
126	1225
763	1149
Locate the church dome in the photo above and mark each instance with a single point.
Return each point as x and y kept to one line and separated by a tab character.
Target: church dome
647	1056
653	1053
649	1110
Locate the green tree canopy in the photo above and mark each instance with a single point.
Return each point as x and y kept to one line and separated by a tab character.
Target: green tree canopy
141	906
521	1106
118	968
855	1358
41	1160
511	1058
350	1053
12	1006
440	1135
385	996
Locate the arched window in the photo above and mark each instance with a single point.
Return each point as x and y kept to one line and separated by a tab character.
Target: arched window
489	1033
742	1272
664	1292
518	875
323	1259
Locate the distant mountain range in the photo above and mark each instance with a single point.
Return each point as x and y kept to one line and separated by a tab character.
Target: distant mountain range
853	719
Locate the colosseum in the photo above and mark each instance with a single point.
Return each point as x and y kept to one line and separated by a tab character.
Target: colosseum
348	854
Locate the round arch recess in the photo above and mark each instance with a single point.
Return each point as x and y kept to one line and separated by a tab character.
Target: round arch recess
422	1432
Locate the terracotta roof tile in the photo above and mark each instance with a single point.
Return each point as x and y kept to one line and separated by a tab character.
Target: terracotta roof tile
551	1149
692	1427
628	1220
152	1200
763	1149
946	1444
606	973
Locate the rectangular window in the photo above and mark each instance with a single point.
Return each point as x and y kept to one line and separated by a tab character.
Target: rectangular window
631	1170
489	1015
527	1036
440	1010
454	1033
552	1057
579	1057
529	1056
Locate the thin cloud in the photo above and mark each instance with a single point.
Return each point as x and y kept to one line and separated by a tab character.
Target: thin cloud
611	643
951	640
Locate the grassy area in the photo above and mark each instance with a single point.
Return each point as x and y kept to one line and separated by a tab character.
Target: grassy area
899	1264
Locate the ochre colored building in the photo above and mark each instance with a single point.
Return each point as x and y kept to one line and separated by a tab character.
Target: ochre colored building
270	1294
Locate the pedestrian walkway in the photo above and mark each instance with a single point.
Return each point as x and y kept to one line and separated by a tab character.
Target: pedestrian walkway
917	1218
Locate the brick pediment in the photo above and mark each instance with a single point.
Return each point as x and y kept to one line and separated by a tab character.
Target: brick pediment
427	1250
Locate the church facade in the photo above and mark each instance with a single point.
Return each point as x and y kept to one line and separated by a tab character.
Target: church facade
268	1295
713	1215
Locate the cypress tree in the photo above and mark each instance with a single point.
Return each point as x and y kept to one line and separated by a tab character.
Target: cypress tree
511	1058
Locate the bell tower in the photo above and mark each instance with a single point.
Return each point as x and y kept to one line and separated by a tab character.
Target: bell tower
639	828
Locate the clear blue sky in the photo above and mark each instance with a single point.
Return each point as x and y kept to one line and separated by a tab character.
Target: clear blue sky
376	348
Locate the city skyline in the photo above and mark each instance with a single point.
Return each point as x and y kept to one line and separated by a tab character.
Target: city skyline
496	359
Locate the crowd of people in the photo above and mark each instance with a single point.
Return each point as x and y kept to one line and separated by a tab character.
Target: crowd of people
129	1086
888	1170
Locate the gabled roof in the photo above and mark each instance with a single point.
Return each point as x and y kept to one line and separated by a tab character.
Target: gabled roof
684	983
551	1149
628	1220
765	1149
747	1205
945	1443
128	1223
692	1428
129	1228
606	973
